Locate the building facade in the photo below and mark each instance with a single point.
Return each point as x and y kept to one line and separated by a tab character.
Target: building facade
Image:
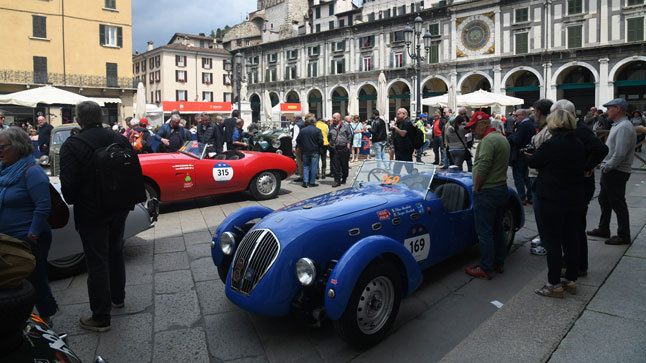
82	47
588	51
188	68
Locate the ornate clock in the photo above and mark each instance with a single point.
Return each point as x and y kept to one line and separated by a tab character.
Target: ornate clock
475	35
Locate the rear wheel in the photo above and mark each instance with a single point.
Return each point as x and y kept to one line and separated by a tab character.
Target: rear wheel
265	185
508	227
67	266
373	306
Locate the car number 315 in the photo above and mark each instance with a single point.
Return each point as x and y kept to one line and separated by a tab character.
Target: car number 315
419	246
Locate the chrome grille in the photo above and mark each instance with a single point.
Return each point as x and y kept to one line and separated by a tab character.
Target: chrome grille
255	255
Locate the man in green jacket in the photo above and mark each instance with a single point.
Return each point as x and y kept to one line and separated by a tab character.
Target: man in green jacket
490	195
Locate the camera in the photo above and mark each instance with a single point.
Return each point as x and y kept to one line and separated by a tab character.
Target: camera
529	148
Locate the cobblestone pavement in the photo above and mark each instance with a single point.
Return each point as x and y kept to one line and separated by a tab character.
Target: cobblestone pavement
176	309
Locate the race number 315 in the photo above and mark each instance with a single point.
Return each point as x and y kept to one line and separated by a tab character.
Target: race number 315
222	172
419	246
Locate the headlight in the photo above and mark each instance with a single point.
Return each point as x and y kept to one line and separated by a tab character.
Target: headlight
279	151
275	143
305	271
227	243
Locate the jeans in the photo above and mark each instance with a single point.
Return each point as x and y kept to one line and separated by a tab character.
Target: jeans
379	148
488	209
323	158
418	153
45	302
612	197
103	246
521	178
458	157
310	167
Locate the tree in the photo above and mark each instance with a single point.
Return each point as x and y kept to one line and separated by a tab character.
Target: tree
212	35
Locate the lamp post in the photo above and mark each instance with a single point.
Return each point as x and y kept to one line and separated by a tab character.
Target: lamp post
238	61
414	37
228	67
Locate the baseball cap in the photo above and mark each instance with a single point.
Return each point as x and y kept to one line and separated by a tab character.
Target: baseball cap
115	128
618	102
423	115
477	116
143	121
134	122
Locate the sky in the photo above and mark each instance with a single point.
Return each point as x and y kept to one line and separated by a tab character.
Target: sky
158	20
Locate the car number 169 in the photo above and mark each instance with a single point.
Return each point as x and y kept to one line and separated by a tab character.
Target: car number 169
419	246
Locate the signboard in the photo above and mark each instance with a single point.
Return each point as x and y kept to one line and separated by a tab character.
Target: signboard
194	107
290	107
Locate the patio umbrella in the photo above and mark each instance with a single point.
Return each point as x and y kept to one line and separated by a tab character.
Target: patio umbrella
140	110
436	101
482	98
382	94
353	104
266	106
48	95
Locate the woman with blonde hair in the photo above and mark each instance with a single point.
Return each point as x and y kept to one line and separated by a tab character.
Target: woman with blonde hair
559	187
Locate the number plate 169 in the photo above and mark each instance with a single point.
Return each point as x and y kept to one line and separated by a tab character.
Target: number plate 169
419	246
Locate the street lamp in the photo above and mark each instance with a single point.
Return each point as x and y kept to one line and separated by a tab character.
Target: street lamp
238	60
413	36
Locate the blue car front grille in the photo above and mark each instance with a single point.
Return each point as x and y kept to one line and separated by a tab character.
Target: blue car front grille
255	255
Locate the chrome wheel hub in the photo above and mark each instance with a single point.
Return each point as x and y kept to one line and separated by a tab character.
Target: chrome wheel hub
267	184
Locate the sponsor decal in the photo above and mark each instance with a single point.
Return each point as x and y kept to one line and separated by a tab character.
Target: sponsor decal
249	274
403	210
222	172
183	167
420	208
383	215
333	281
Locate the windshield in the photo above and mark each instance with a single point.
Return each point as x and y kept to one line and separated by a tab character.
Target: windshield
60	136
193	148
415	176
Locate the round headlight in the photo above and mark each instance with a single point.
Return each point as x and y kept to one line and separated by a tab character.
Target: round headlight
227	242
279	151
305	271
275	143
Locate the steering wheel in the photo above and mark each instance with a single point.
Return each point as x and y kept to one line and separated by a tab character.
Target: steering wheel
375	171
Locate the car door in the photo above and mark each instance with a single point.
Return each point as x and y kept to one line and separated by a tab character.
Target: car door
218	176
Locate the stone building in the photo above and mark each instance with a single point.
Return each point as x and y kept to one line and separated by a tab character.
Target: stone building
588	51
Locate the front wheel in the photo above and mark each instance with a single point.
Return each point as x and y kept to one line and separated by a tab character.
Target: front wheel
265	185
66	266
373	306
508	228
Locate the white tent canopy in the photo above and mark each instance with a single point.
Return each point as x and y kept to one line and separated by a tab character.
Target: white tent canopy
479	98
47	95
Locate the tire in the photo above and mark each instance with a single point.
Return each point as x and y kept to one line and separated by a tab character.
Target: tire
151	193
362	324
66	267
15	307
509	227
265	185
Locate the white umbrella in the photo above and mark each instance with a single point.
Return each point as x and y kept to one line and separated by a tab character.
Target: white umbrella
47	95
382	95
266	106
140	110
436	101
482	98
353	104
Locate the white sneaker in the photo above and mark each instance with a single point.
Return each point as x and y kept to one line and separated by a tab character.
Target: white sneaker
535	242
538	251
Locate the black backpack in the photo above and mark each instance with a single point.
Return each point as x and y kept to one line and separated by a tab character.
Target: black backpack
417	138
119	180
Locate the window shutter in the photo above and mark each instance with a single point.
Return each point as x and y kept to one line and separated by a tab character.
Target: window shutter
39	26
101	34
119	37
309	70
392	60
40	70
403	59
332	67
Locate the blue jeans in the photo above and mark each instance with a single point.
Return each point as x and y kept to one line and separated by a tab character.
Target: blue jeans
488	209
418	154
45	302
521	178
379	148
310	167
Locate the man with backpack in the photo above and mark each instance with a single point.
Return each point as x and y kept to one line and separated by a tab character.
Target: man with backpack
101	176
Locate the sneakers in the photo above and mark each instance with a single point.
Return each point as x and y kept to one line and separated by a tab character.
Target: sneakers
538	251
88	323
616	240
535	242
476	271
598	233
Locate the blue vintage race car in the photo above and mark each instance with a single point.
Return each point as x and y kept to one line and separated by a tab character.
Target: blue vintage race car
352	254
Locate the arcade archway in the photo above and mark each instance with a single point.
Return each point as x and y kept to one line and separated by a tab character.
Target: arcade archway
340	101
577	84
315	101
367	101
433	87
398	97
525	85
475	82
254	102
630	83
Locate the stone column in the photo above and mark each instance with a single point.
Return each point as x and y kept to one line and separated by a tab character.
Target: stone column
498	32
550	88
605	87
497	85
454	38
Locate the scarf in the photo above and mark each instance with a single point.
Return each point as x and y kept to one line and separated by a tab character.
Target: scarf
10	175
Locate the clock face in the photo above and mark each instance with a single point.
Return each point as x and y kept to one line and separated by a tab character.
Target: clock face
476	36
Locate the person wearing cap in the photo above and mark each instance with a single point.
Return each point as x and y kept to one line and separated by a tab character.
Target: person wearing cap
208	132
616	169
490	195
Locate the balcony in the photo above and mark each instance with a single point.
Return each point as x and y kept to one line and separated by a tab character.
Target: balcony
61	80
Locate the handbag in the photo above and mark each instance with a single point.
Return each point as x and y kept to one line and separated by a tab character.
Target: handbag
467	152
16	261
59	214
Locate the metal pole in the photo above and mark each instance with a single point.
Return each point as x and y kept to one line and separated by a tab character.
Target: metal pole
239	79
419	76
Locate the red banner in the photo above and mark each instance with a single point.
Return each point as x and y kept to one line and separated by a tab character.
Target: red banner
194	107
290	107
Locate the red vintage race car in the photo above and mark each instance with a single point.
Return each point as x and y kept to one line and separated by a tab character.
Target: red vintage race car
197	171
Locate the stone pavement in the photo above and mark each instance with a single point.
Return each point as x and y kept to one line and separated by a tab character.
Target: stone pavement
176	309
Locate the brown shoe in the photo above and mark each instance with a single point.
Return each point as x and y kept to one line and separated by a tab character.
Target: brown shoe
89	323
569	286
550	291
616	240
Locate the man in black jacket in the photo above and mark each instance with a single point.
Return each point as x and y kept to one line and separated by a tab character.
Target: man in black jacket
229	127
309	141
209	133
524	131
379	138
44	134
101	230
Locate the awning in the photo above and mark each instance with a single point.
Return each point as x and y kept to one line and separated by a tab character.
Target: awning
195	107
103	100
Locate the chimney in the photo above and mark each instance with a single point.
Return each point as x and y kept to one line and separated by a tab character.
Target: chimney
150	45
